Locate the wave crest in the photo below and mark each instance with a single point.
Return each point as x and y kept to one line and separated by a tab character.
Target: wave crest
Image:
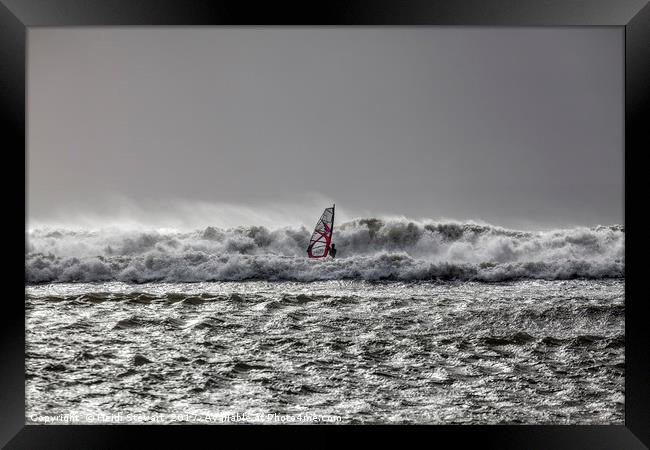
371	249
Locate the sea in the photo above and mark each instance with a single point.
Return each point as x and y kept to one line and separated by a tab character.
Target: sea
414	322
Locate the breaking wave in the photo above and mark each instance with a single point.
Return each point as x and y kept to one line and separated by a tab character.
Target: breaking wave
369	249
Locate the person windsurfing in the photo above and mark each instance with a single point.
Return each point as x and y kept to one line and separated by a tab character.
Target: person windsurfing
320	242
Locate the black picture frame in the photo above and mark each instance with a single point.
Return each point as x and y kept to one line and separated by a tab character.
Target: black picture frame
17	15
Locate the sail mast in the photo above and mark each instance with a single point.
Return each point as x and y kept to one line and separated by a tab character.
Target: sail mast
332	226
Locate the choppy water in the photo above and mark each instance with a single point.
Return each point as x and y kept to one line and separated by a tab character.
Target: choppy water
529	351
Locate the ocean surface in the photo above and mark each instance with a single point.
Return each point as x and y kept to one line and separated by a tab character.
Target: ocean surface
414	322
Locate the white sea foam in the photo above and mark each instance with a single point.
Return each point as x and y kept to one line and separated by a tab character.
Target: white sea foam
371	249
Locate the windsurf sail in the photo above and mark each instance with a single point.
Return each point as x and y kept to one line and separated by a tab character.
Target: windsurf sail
319	244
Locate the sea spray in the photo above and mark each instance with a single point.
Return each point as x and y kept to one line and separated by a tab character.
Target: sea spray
370	249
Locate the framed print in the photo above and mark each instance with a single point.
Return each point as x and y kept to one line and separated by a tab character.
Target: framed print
363	213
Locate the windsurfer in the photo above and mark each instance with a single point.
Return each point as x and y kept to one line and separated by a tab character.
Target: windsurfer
333	250
319	243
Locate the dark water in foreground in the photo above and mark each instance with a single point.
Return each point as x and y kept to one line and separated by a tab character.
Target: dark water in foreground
383	352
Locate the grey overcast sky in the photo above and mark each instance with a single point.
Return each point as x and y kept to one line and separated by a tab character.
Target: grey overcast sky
519	127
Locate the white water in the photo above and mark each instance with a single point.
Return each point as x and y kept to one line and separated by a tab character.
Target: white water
369	249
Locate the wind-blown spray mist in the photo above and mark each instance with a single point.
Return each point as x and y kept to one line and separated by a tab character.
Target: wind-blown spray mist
370	249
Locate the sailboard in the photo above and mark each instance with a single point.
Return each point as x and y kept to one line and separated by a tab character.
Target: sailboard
319	243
